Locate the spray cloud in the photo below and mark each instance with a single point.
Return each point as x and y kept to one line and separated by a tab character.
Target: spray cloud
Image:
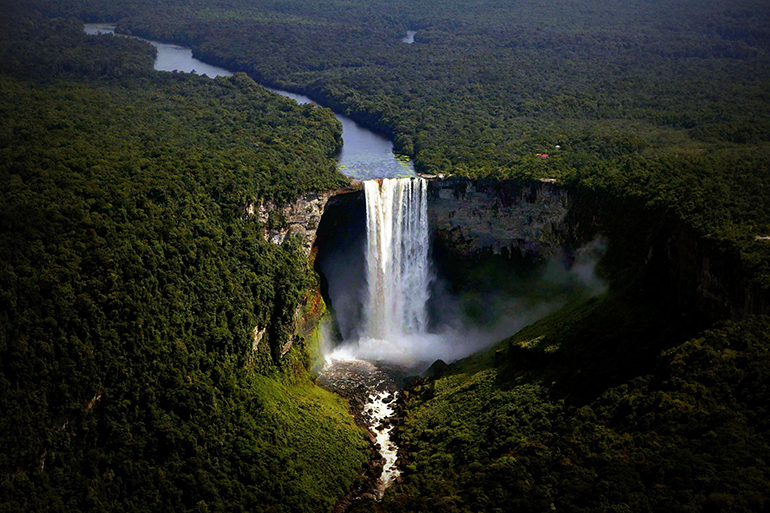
401	284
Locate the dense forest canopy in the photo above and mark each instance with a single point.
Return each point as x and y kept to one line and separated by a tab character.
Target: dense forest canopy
689	434
132	284
496	75
667	100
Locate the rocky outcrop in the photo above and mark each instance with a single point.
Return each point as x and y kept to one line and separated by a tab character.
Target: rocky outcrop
258	334
300	217
473	216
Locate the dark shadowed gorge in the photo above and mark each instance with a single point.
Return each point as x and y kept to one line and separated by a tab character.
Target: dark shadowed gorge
556	297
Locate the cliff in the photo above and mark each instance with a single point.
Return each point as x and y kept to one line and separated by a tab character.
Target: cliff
302	218
661	255
649	250
473	216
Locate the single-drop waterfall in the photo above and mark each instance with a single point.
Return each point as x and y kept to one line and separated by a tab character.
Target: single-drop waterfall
395	306
397	268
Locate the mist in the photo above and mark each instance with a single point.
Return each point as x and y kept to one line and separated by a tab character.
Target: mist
465	317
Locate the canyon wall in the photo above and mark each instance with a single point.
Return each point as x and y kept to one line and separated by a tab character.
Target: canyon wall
661	255
475	216
301	218
650	251
655	253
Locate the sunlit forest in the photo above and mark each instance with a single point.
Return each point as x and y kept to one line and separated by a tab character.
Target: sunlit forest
133	283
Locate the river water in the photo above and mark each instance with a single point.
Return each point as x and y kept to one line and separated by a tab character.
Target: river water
365	155
374	393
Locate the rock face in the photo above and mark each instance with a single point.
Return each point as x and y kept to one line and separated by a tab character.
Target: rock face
300	217
469	216
702	276
258	334
472	216
538	218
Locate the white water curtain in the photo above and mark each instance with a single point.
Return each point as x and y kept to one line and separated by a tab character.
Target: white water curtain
398	271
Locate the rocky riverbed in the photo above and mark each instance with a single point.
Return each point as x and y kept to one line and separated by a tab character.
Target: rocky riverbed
375	402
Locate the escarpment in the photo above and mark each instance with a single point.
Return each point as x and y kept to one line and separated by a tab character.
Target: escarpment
499	216
663	254
473	220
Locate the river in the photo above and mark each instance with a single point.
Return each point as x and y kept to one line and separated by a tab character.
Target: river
365	155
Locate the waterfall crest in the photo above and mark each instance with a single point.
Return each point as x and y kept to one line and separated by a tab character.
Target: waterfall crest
397	266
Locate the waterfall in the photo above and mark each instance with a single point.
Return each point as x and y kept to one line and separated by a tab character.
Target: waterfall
397	268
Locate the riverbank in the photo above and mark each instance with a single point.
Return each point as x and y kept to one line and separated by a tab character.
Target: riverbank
377	405
364	155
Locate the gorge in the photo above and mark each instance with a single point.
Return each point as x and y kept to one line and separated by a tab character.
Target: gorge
544	218
207	305
392	323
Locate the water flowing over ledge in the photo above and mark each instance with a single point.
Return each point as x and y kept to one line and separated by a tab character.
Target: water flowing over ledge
397	266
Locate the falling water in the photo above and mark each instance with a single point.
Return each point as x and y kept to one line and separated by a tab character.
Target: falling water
397	268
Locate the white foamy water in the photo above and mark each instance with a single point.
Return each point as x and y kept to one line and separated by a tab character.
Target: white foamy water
372	392
397	267
416	351
378	409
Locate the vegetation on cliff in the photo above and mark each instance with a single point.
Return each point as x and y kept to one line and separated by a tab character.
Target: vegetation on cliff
569	415
132	282
667	100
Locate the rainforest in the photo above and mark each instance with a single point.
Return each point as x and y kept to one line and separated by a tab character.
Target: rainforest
404	256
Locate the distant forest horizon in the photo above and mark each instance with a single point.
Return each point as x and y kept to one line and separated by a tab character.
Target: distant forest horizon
158	353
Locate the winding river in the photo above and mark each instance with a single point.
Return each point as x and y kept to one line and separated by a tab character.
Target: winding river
365	155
